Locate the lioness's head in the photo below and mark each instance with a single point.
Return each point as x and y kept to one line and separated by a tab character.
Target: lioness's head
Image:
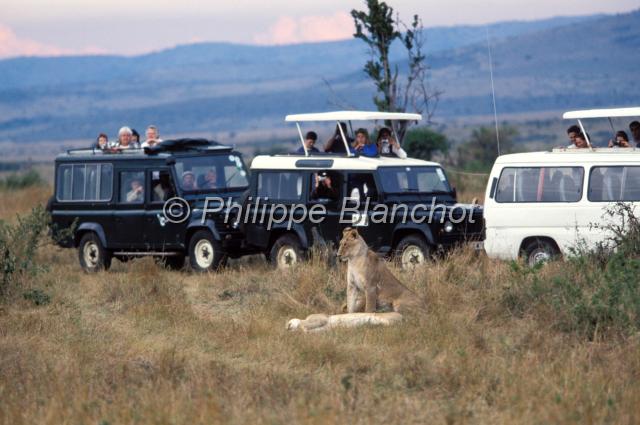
350	245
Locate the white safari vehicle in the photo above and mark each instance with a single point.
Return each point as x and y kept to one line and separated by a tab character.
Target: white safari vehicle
404	208
540	205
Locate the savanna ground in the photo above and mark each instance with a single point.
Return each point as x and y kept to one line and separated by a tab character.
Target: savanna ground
140	344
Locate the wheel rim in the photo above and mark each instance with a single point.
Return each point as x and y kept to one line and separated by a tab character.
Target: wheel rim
91	254
539	256
204	253
287	257
412	256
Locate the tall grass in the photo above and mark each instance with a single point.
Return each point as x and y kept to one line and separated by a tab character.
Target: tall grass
139	344
16	181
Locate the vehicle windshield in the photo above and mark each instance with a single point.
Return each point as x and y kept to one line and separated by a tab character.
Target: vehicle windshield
211	173
414	180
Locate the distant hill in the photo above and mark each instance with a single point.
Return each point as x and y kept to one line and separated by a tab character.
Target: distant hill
542	65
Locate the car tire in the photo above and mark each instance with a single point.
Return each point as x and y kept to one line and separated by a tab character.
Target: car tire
412	251
205	253
540	251
92	255
173	262
286	252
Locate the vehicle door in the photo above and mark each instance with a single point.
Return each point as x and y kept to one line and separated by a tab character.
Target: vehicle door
362	198
160	232
326	192
276	193
536	201
129	212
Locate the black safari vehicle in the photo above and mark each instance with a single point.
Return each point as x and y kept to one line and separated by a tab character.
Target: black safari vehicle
403	208
148	202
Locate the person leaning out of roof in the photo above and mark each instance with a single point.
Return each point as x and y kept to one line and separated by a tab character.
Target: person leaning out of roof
135	139
572	132
634	127
581	140
309	142
621	141
125	139
102	142
388	145
362	145
152	137
336	143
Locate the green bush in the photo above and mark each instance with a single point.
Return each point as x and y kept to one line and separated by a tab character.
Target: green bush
423	143
596	293
21	181
18	246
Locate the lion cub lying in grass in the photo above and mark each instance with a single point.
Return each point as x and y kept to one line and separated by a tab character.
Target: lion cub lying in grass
370	285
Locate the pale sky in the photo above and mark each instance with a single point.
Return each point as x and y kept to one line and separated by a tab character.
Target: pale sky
59	27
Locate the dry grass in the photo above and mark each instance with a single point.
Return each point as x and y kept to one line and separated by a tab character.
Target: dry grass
143	345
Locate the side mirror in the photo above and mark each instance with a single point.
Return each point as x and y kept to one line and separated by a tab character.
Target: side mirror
454	194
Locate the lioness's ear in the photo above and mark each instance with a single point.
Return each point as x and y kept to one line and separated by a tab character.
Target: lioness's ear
346	231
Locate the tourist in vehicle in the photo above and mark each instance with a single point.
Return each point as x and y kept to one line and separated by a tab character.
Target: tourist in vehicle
210	180
135	139
136	194
324	188
102	142
152	137
124	138
362	145
581	141
310	140
634	127
572	132
388	146
336	144
189	181
621	140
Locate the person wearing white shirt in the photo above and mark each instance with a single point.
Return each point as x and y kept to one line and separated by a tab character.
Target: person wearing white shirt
153	137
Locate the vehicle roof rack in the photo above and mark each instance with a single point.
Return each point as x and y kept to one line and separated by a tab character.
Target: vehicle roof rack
176	145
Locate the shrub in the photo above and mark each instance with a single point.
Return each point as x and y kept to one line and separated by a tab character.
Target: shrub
597	292
18	246
20	181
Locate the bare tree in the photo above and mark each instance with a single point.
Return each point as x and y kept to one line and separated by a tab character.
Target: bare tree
378	28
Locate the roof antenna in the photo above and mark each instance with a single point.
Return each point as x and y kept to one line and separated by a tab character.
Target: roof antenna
493	90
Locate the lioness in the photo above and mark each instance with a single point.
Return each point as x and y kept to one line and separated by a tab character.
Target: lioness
323	322
370	284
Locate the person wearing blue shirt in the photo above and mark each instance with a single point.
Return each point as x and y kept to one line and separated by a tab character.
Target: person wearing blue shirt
309	141
362	145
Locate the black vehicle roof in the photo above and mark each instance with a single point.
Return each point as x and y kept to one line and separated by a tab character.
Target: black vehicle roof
162	151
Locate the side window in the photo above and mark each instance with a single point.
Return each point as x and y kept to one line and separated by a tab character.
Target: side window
84	182
64	182
280	185
161	186
540	184
131	187
362	186
614	183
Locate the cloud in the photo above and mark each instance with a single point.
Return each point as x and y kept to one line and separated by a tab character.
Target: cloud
288	30
11	46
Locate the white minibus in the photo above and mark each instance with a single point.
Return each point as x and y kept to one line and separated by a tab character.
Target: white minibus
540	205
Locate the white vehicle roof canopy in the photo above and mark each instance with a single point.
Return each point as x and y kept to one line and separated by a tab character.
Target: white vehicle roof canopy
603	113
353	116
341	116
600	113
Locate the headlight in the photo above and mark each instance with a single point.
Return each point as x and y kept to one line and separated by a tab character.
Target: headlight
448	227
